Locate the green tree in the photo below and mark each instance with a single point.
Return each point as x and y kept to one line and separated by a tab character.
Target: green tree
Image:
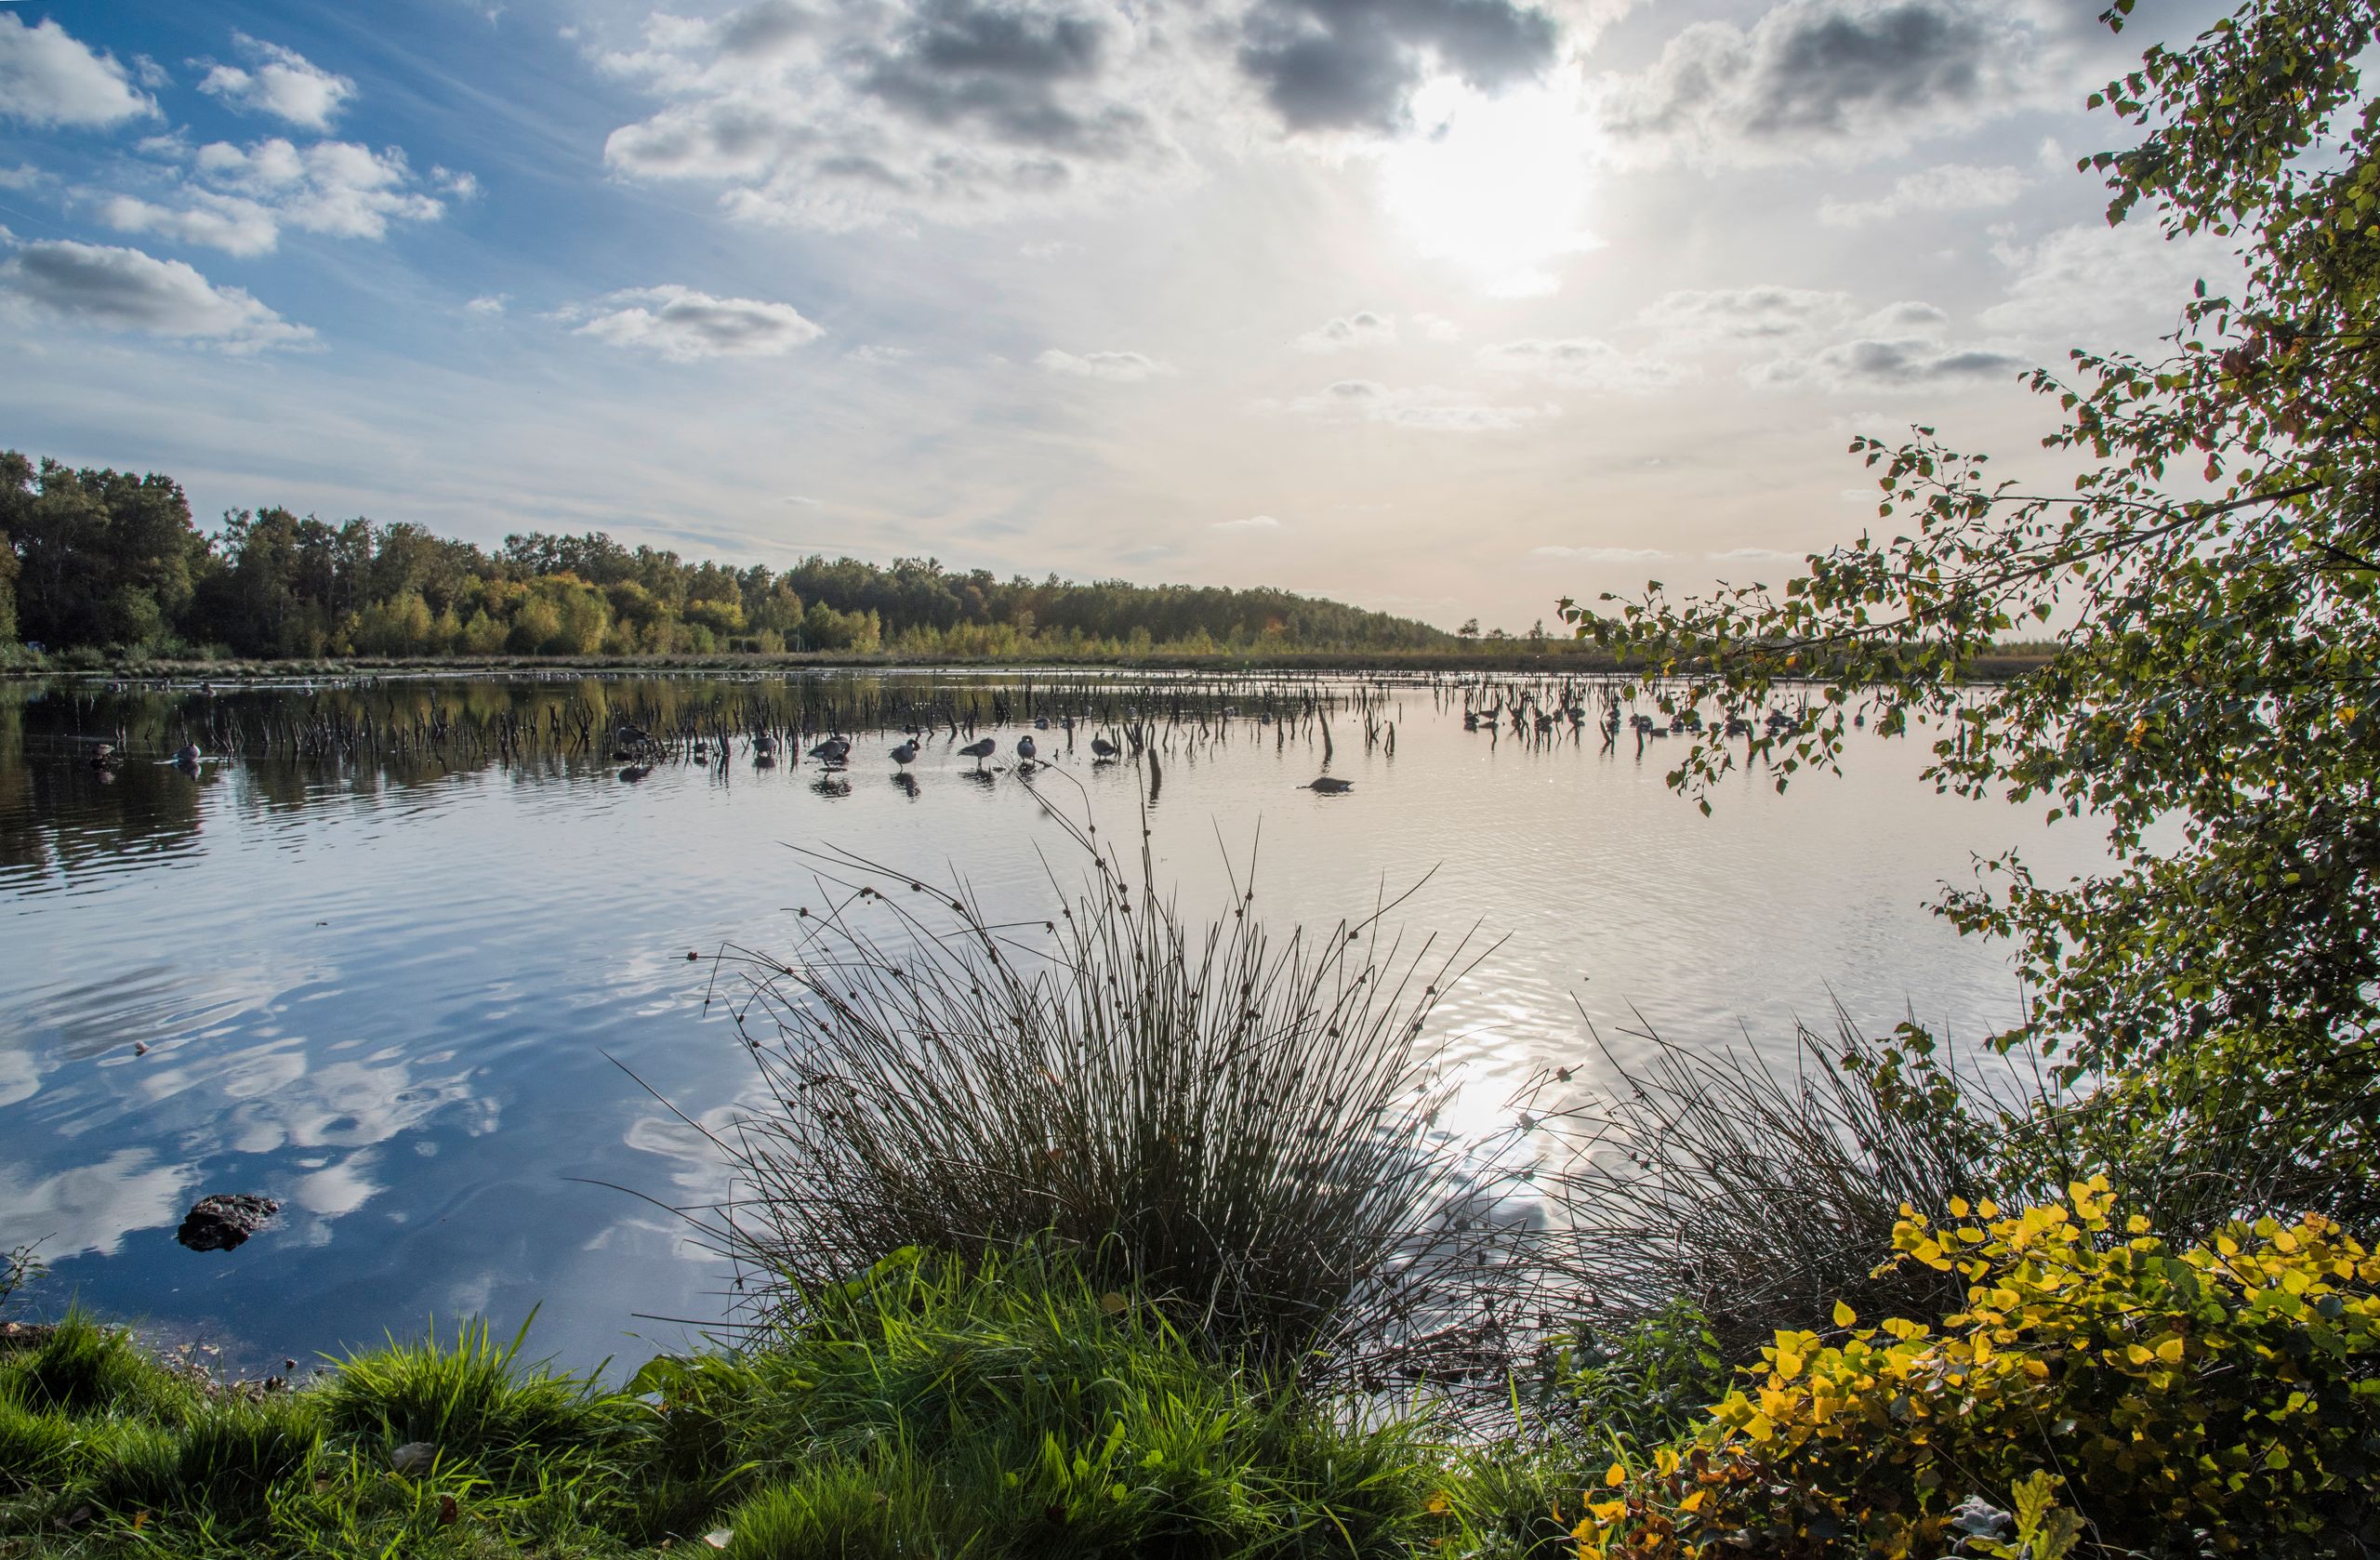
2214	585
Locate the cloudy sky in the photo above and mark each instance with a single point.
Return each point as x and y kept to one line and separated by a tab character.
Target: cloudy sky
1444	306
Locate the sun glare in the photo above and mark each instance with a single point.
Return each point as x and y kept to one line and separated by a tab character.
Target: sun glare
1496	186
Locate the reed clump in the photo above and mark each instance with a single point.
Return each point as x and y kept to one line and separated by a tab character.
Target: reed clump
1241	1121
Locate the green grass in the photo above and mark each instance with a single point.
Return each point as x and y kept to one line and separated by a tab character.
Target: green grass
1011	1406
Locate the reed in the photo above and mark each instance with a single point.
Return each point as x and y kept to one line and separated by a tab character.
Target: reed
1762	1199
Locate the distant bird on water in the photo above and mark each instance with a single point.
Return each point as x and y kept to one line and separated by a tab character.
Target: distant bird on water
834	751
1024	748
980	750
906	754
188	756
1102	749
1330	786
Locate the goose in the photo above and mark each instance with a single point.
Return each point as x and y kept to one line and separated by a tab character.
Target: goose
906	754
1330	786
635	772
834	751
764	747
1024	748
980	750
188	756
1103	749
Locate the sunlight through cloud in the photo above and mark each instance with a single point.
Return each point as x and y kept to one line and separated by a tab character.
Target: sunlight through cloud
1496	186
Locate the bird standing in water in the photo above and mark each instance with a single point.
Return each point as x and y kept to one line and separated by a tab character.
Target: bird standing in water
906	754
1024	748
980	750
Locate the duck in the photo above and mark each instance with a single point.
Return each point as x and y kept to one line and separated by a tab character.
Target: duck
188	755
635	772
1329	785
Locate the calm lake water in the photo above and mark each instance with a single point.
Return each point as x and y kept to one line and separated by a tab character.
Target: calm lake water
404	996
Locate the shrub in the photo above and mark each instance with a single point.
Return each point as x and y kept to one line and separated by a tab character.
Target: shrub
2220	1397
1639	1384
1240	1123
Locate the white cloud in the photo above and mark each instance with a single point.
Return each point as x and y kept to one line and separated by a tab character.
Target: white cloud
1583	362
1423	408
48	78
24	176
1603	554
878	356
232	223
1756	313
846	117
1910	317
1879	363
341	187
684	325
1840	78
1362	329
237	199
281	83
1057	248
803	501
125	289
1953	187
2096	286
488	304
1432	328
1123	368
1254	522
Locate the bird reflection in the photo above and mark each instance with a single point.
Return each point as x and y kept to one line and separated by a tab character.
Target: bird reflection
832	786
907	784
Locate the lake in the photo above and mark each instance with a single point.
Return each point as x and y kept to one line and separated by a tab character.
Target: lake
413	958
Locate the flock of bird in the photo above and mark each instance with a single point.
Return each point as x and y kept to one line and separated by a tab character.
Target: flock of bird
834	753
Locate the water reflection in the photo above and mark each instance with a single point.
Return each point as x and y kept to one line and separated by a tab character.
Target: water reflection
402	983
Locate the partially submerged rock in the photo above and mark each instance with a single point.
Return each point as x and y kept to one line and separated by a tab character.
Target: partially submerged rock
219	1223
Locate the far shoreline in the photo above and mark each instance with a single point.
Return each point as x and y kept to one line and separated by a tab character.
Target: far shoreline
1547	660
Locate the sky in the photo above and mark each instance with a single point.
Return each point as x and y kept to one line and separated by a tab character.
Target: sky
1448	307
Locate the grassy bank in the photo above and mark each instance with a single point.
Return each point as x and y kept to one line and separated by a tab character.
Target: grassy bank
1009	1407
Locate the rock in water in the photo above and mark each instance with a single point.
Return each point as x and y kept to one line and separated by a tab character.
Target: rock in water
218	1223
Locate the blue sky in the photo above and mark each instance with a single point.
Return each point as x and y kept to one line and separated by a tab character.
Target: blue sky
1447	307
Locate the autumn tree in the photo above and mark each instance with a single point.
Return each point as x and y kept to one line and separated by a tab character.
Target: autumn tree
2213	585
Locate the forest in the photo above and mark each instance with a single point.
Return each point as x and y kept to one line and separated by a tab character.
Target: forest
100	560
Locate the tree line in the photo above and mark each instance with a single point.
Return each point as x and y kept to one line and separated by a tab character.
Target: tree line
93	558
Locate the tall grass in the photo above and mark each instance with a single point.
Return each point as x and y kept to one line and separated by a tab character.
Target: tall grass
1761	1199
1238	1119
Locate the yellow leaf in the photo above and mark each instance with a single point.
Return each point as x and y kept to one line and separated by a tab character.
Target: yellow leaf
2170	1350
1616	1475
1113	1303
1694	1501
1844	1314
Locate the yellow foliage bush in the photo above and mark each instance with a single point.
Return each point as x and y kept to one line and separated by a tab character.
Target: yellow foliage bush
2217	1399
